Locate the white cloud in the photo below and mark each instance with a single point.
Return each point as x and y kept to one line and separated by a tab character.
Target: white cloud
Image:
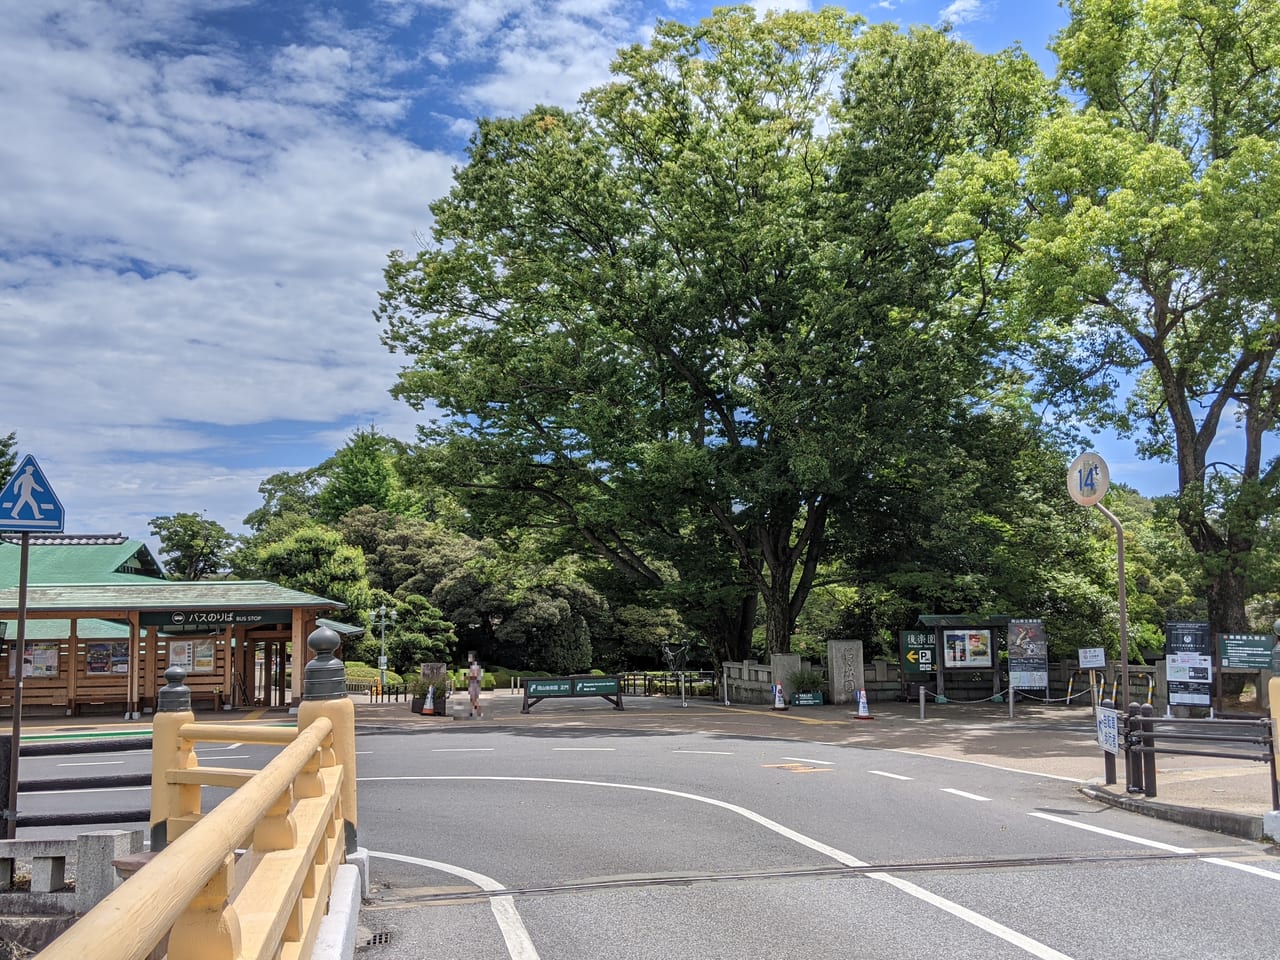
960	12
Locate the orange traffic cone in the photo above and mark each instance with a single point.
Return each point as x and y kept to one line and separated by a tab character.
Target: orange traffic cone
863	712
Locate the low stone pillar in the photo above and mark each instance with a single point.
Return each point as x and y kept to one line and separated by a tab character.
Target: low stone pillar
325	695
845	671
95	868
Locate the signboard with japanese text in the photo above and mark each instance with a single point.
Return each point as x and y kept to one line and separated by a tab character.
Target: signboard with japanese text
1108	726
1247	651
917	648
1092	658
39	660
1189	663
1028	655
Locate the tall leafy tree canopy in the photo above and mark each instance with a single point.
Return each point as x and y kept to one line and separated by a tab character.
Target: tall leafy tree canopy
192	546
8	456
677	323
1144	224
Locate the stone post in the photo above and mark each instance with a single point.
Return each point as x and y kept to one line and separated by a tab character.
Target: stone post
845	672
173	711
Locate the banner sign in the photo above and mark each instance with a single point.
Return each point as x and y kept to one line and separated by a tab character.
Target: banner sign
1028	655
178	620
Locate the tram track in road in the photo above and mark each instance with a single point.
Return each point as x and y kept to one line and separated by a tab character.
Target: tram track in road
391	901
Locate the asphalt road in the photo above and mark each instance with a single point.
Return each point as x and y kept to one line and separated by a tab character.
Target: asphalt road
562	844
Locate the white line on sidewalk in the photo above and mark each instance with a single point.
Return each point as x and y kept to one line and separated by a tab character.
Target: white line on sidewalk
519	945
967	796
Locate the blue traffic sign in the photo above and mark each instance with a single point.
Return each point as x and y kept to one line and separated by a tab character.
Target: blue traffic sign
27	502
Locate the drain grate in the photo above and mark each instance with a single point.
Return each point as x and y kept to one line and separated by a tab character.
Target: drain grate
380	939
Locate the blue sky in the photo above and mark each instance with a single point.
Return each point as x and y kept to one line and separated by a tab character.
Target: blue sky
198	200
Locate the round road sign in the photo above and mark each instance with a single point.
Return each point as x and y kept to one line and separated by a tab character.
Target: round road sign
1088	479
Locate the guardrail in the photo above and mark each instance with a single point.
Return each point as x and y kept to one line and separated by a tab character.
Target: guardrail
251	878
1146	735
27	788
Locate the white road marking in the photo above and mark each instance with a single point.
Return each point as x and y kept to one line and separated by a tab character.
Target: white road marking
967	796
586	749
1246	867
94	763
891	776
823	763
462	750
519	945
710	753
51	793
979	763
1112	833
987	924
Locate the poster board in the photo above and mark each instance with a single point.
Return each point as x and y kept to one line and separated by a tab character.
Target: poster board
966	648
1028	655
106	657
39	659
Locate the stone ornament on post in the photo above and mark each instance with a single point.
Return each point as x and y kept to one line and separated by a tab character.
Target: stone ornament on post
174	695
168	751
324	694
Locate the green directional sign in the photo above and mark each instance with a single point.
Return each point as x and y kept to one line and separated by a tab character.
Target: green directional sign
595	687
917	651
549	688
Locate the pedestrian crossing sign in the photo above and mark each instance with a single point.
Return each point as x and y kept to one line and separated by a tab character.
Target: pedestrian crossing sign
27	502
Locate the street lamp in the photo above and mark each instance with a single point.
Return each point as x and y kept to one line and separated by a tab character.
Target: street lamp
382	660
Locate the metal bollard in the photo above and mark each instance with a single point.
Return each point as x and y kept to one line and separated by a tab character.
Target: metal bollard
1132	760
1149	755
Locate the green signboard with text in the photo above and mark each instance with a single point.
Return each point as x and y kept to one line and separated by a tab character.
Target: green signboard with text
918	648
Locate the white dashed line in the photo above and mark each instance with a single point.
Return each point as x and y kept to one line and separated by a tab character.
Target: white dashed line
462	750
709	753
825	763
891	776
967	796
586	749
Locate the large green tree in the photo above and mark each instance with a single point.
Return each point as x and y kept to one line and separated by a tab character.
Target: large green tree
1144	223
192	546
676	322
8	456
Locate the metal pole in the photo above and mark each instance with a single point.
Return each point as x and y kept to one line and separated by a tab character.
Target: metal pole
1124	614
382	670
17	652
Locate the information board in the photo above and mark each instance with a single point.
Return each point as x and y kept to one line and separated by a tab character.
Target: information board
917	648
1108	725
966	648
1028	655
1189	663
1246	650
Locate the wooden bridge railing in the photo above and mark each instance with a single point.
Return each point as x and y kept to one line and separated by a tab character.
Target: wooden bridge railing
250	879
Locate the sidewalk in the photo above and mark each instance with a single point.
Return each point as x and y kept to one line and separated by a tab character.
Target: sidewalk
1227	796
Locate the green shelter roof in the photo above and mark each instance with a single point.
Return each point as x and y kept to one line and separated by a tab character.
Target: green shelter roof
144	593
78	558
61	629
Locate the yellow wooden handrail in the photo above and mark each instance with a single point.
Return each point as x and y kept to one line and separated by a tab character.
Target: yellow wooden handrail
289	814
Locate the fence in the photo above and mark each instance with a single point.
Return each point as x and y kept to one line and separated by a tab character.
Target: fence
697	683
1231	739
251	878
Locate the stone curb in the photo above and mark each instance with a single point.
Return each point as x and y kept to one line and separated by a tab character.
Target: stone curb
1219	821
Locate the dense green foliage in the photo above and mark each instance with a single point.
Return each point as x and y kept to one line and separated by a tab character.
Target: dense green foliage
192	546
748	351
8	456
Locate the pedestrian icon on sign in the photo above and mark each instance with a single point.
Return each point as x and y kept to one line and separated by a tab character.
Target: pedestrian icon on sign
28	502
24	486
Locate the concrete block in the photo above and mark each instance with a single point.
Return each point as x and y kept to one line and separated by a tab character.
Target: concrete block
360	860
336	938
1271	826
48	874
95	872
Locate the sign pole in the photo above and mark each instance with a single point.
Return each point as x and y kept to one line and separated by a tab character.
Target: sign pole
17	654
1124	616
